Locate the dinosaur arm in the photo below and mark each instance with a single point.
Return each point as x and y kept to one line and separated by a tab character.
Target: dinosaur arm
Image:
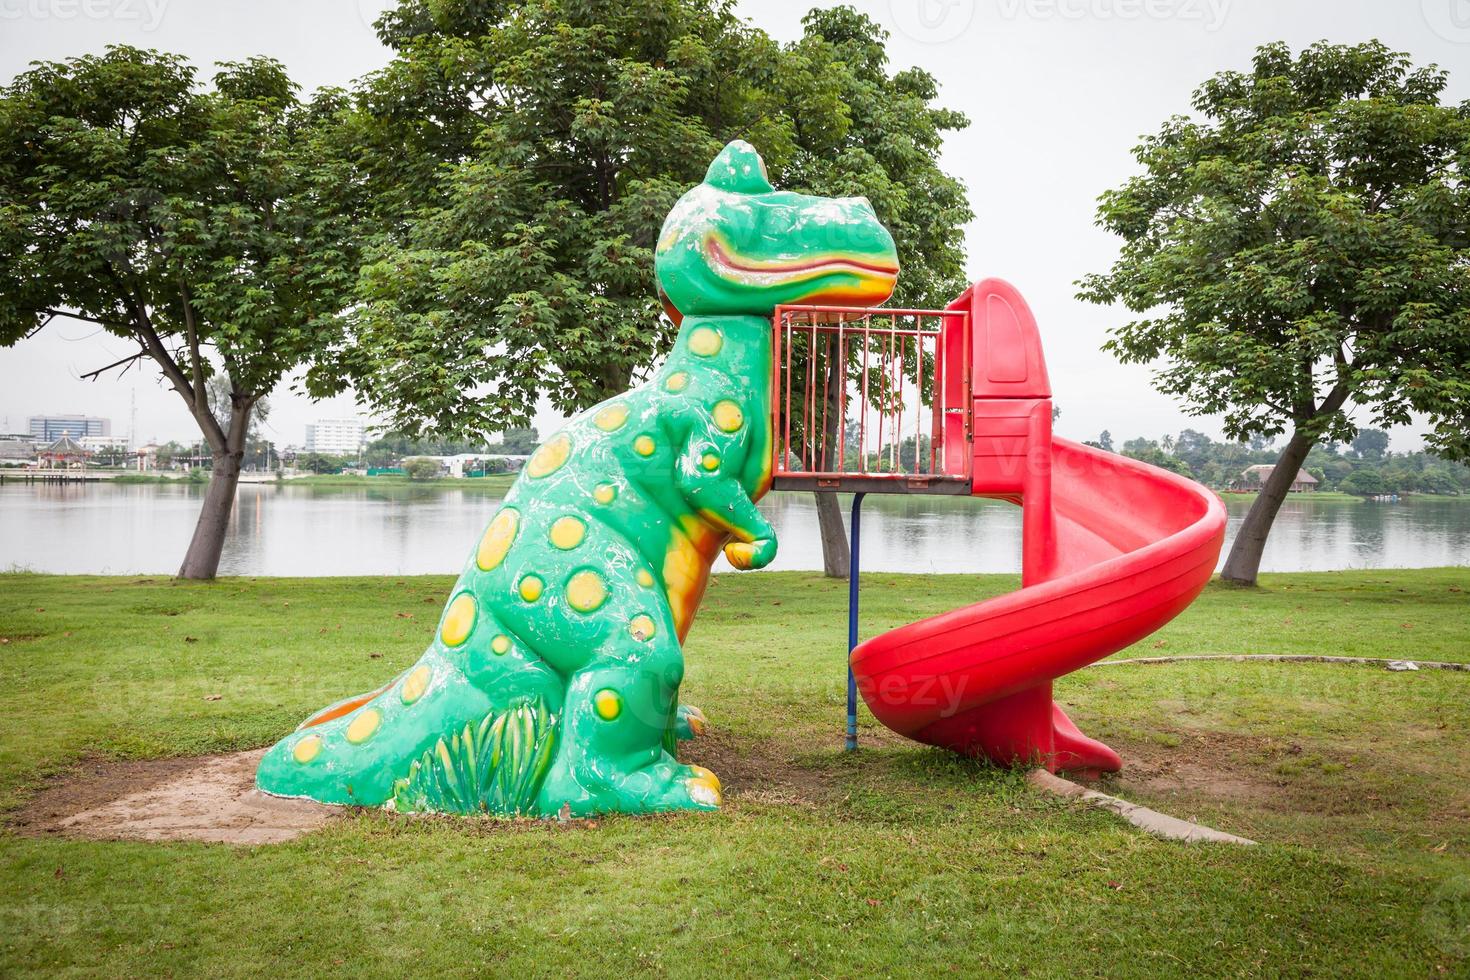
708	480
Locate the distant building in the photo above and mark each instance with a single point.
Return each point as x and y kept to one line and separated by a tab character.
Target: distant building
339	436
1255	477
46	429
16	452
98	444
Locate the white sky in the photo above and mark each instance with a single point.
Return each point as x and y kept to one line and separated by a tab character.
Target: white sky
1058	91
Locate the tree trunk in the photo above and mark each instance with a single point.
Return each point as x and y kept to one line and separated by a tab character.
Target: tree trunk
835	555
1244	562
202	559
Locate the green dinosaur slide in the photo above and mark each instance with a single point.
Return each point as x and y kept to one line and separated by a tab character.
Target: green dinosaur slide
552	682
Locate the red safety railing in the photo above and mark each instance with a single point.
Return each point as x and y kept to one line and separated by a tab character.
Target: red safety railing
872	399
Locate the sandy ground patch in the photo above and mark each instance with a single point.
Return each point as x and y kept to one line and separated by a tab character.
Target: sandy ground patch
211	798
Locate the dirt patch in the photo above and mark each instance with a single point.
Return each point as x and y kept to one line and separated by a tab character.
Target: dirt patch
1242	772
756	770
212	798
1212	766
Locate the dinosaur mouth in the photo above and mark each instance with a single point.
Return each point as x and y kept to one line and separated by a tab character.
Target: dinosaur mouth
878	274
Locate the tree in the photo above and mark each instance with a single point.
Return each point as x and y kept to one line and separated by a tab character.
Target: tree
1370	443
1307	244
1105	441
524	155
212	227
1365	483
422	468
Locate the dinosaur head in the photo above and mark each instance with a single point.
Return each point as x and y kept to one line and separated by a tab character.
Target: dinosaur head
734	245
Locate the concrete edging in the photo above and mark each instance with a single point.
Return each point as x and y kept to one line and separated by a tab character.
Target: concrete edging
1296	658
1151	821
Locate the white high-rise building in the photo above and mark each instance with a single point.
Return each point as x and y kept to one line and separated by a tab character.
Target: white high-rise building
339	436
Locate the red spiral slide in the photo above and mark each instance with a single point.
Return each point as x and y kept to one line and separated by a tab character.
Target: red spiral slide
1112	550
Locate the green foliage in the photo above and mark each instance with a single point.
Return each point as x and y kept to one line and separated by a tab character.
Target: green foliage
1222	464
1370	443
422	469
495	767
1365	483
214	227
391	447
1305	243
523	156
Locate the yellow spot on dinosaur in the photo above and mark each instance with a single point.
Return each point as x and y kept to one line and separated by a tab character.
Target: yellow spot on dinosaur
728	416
307	749
363	726
643	445
415	684
498	538
706	342
607	703
500	645
458	620
611	419
642	628
710	462
586	591
677	381
645	578
567	533
549	457
531	587
604	493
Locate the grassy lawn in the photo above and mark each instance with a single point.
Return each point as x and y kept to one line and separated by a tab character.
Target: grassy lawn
498	482
1336	495
898	860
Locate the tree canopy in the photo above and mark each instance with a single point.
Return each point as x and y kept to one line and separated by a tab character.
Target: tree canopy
524	154
1299	255
213	226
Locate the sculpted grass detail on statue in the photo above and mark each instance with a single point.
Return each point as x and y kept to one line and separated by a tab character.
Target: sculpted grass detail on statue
552	682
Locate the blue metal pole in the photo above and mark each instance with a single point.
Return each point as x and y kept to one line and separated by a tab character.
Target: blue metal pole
852	616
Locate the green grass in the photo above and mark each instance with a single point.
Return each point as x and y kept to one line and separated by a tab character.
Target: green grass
497	483
898	860
1334	495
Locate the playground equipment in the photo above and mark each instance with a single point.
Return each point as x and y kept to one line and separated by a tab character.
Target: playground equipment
1111	548
551	684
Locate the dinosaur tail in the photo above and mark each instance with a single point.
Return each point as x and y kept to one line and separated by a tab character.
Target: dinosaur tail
494	767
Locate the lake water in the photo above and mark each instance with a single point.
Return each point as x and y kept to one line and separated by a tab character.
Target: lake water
284	530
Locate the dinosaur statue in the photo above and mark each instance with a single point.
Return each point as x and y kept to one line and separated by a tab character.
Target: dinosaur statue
551	685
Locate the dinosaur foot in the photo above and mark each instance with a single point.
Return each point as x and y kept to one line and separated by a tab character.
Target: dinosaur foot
663	786
690	723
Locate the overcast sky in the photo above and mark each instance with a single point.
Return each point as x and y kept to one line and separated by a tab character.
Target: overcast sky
1058	91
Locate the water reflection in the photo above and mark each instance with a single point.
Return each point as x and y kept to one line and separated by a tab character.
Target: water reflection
284	530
